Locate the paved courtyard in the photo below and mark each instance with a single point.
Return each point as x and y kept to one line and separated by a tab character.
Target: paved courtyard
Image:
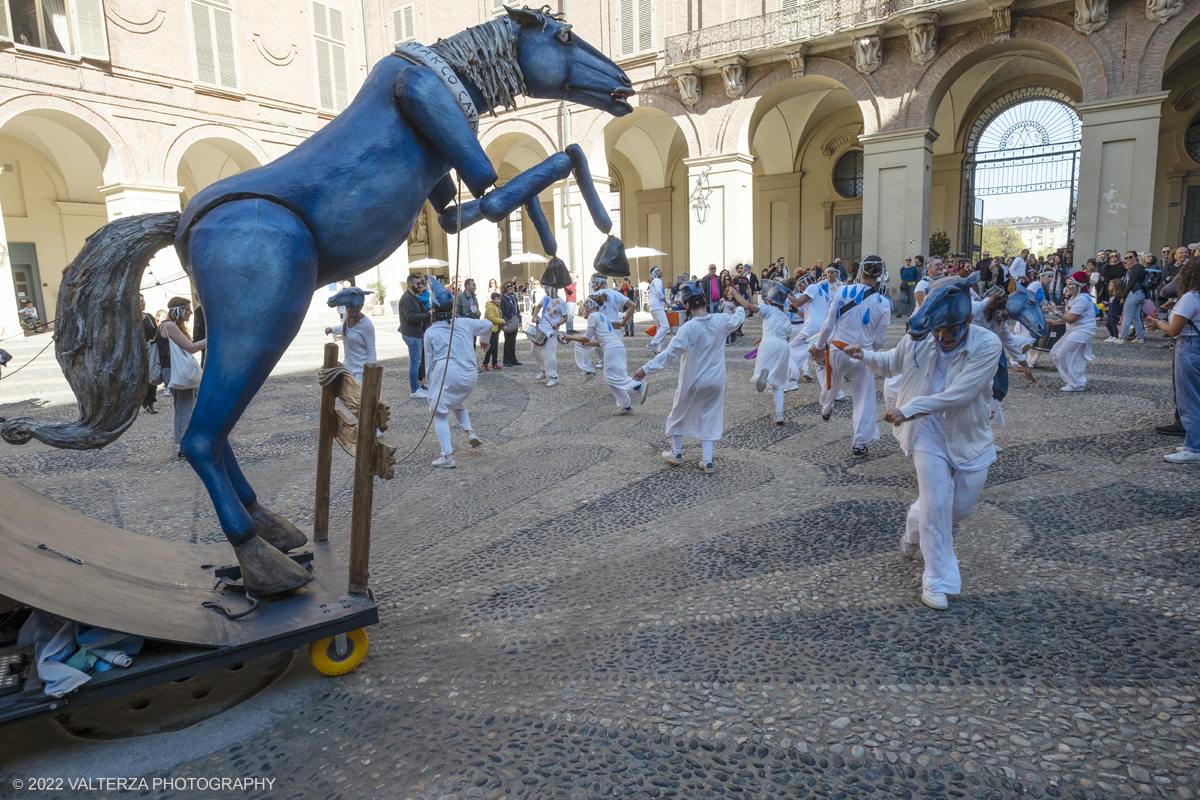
565	615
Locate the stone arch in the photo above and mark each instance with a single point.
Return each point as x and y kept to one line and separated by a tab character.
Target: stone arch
1047	88
738	121
1160	46
1034	33
179	146
594	137
111	150
524	127
975	124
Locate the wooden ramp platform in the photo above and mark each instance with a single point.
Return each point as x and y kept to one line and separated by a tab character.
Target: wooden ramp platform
154	588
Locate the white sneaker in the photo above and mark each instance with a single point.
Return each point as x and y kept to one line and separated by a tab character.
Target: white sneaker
1110	340
541	376
643	391
840	395
419	394
444	462
1071	389
1119	341
791	386
473	439
1183	457
708	468
935	600
760	383
552	382
621	412
674	459
909	549
779	418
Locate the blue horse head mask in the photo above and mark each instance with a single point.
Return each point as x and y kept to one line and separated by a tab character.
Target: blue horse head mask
557	65
350	297
1025	309
947	303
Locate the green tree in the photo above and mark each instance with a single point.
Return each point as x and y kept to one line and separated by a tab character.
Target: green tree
1002	240
939	243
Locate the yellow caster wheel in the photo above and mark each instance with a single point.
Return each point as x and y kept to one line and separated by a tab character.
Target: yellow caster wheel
325	657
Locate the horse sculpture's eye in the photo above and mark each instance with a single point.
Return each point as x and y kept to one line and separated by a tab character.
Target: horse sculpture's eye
564	35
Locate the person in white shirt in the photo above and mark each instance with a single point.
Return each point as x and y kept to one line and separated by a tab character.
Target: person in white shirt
942	421
1073	351
1184	327
658	310
771	363
698	409
356	331
548	316
602	334
451	368
858	314
934	270
814	303
1016	270
616	308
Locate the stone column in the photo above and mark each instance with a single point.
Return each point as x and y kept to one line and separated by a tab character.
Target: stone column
1118	161
897	167
727	235
164	277
10	323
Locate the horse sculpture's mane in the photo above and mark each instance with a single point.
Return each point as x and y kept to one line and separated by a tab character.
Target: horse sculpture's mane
486	55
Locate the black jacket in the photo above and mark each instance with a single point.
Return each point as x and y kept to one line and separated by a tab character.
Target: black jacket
1133	280
706	285
508	307
414	316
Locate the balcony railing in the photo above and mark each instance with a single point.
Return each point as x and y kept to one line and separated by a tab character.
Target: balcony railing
807	20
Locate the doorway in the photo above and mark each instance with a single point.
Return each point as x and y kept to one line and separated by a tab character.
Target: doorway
1191	216
27	281
847	238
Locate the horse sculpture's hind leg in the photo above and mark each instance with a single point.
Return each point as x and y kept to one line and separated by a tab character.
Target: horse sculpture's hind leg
255	264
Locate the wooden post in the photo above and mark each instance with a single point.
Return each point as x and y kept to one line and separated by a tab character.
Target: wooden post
364	479
325	432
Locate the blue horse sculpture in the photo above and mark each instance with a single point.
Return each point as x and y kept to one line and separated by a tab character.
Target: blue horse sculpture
258	244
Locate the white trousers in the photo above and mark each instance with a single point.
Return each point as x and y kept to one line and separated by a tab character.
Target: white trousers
616	375
583	357
441	424
862	390
891	387
547	356
1070	359
798	353
663	327
947	497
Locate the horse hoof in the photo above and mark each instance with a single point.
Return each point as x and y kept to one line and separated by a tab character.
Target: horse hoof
266	571
275	529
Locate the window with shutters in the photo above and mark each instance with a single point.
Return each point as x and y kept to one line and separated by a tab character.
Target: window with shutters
637	27
498	7
404	25
788	5
516	238
213	43
74	28
329	38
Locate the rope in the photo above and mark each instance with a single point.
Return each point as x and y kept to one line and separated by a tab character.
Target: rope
453	320
30	361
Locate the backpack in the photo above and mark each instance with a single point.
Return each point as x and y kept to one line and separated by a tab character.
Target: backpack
1151	277
155	364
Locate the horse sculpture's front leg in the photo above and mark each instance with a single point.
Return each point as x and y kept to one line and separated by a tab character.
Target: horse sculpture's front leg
523	189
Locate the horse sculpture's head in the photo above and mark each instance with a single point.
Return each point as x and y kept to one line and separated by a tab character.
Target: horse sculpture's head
558	65
1025	309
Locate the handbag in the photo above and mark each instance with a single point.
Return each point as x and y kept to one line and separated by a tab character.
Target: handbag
1148	308
185	369
155	364
511	325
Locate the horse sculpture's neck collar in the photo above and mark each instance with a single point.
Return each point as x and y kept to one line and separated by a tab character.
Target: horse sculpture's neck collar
420	54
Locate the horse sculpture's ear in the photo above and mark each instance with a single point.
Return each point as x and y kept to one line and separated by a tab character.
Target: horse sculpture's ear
523	17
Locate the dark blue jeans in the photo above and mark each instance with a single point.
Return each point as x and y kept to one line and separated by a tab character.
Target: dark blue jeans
415	346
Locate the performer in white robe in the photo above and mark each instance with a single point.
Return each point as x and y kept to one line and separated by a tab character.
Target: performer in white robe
771	363
698	410
549	315
990	313
858	314
944	405
616	308
814	301
658	310
451	358
1073	351
601	334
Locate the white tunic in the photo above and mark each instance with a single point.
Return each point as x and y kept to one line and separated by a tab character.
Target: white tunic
463	372
698	409
865	324
554	312
360	346
658	295
613	308
773	350
817	307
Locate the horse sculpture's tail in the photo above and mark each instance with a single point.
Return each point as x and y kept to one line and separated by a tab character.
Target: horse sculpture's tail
98	334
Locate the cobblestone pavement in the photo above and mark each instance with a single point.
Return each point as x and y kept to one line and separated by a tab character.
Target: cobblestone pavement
564	615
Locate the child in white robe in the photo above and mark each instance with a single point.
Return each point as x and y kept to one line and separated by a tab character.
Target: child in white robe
1073	351
771	364
698	410
601	333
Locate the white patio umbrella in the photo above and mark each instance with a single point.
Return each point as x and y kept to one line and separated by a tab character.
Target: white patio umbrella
635	253
527	259
427	263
